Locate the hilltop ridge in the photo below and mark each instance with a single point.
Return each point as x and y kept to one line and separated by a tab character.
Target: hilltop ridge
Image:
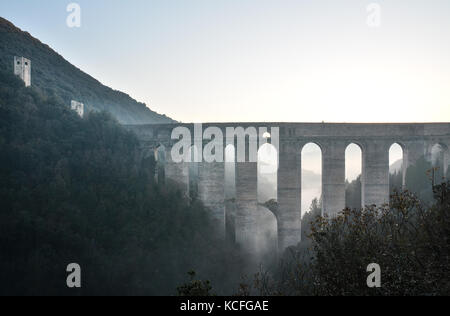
53	74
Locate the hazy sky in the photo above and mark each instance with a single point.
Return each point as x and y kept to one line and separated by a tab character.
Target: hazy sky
258	60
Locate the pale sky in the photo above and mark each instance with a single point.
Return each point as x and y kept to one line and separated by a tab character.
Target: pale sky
259	60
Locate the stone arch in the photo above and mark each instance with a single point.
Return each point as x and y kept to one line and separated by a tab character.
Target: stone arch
397	153
357	146
360	144
314	142
230	193
311	180
267	172
353	174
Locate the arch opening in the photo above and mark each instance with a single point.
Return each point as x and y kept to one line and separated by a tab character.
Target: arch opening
230	193
397	167
267	232
311	184
353	176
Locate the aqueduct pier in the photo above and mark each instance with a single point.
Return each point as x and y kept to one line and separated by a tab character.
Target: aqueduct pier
234	211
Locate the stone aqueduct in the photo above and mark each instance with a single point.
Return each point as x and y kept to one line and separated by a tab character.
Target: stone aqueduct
235	213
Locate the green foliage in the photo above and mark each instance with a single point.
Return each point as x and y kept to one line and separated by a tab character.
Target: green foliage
195	287
408	241
78	190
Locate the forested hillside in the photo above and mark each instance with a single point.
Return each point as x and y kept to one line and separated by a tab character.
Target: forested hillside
77	190
54	75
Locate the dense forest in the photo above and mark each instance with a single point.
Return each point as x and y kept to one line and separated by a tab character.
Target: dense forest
78	190
51	73
409	240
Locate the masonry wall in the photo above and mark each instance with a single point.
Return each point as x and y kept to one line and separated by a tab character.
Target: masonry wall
22	69
237	215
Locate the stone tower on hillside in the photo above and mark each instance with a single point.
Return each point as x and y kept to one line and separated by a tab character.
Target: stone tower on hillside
22	68
77	107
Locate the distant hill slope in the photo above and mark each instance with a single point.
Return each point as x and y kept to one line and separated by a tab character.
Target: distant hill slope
396	166
53	74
